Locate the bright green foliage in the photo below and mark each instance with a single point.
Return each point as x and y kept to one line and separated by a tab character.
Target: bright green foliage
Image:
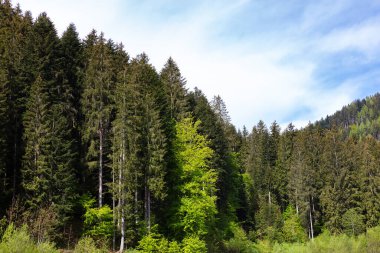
373	239
18	240
197	207
98	222
292	230
193	245
87	245
154	242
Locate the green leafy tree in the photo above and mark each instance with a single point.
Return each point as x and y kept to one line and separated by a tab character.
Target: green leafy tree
97	220
197	206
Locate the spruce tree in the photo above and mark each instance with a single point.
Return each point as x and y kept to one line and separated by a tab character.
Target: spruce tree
174	85
36	169
97	107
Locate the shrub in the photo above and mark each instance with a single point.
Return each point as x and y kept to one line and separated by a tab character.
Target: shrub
373	240
193	245
87	245
239	242
19	240
157	243
98	222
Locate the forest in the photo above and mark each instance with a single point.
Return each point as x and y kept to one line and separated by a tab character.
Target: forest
100	152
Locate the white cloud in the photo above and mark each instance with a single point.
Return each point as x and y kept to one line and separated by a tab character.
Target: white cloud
363	37
253	79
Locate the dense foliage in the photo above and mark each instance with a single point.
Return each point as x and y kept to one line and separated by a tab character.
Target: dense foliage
99	151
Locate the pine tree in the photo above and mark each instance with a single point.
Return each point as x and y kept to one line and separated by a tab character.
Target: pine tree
283	164
97	107
14	32
174	85
369	179
125	150
153	139
36	170
4	126
71	64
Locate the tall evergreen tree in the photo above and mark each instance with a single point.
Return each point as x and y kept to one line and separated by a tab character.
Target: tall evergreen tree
97	107
370	180
174	85
36	171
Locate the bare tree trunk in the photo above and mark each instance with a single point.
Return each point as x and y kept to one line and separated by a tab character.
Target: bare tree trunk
136	201
122	229
14	168
311	225
149	212
297	210
146	199
269	199
113	208
100	167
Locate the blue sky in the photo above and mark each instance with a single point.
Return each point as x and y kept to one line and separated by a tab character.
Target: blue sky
290	61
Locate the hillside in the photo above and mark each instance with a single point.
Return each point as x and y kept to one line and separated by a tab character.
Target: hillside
359	118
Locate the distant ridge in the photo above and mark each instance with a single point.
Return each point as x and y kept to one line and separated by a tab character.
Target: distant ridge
358	119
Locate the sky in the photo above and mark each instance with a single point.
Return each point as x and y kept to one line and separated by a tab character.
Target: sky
290	61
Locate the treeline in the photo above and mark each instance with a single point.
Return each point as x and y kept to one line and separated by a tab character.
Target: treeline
359	119
96	143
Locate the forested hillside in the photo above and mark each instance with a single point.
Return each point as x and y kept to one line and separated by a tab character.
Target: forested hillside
99	149
358	119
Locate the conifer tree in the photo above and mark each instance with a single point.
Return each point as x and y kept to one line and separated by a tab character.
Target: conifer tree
97	107
125	150
370	180
4	126
36	170
14	32
174	85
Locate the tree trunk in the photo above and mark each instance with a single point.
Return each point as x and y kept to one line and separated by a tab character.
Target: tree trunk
148	211
136	200
269	199
100	168
14	182
122	232
311	225
113	210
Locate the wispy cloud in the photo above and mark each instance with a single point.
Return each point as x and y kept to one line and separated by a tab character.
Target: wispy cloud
271	60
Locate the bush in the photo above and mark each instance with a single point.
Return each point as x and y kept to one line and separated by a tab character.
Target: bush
98	222
18	240
353	222
193	245
157	243
239	242
87	245
373	240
